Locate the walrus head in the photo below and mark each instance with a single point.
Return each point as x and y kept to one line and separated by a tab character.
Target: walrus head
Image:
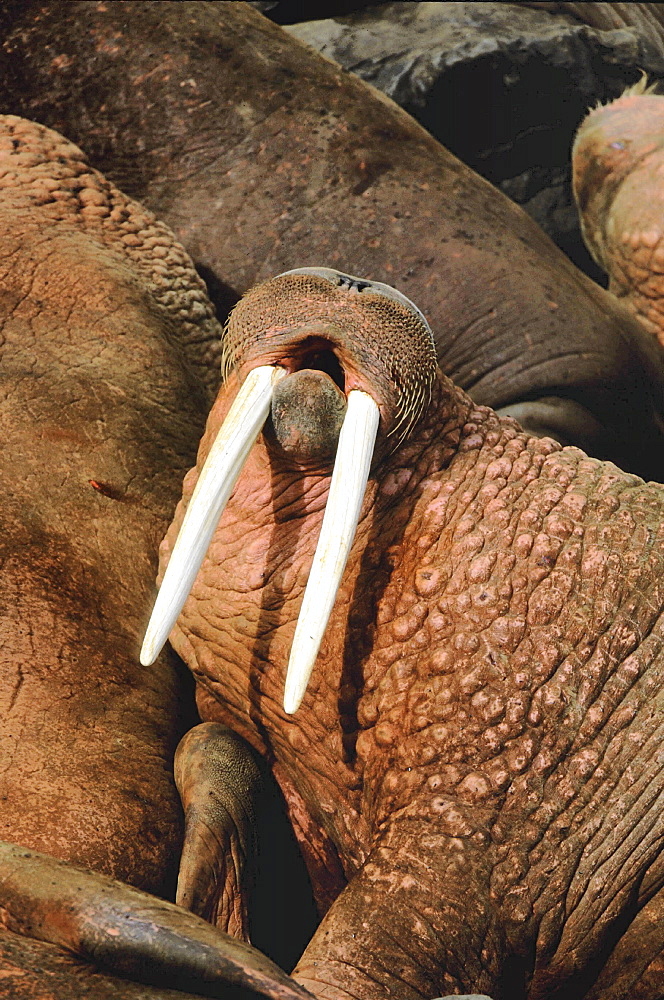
612	142
301	347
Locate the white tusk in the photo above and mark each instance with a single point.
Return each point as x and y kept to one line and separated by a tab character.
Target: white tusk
216	482
342	512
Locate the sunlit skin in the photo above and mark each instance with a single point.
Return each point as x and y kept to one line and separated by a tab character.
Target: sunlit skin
477	741
618	164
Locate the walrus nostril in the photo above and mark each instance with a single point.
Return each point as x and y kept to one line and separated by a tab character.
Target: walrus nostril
352	284
311	318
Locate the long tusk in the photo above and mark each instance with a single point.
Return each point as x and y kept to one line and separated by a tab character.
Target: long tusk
347	489
216	482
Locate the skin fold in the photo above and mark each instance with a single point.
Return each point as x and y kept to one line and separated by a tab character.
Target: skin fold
92	452
479	740
33	970
262	156
100	919
100	309
618	163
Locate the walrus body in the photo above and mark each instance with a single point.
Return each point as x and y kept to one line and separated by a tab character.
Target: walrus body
99	416
263	156
103	321
461	688
618	161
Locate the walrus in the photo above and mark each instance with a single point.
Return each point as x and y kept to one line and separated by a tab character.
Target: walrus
447	638
103	324
263	156
618	163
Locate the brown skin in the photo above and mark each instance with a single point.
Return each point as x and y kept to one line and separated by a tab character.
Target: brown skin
618	158
99	919
479	738
218	783
99	418
102	319
263	156
32	970
241	868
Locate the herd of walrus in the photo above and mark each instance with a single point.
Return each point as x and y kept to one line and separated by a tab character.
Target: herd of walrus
393	462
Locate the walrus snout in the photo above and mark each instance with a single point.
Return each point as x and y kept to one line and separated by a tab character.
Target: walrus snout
331	359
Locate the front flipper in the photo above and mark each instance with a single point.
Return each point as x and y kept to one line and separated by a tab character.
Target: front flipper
415	921
35	970
128	932
218	780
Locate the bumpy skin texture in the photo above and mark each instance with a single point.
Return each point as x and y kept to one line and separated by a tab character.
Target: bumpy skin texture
618	162
99	418
263	156
480	739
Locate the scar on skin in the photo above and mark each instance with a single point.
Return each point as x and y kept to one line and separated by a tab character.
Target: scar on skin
107	491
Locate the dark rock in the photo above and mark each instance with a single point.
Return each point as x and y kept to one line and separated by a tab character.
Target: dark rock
501	85
292	11
264	6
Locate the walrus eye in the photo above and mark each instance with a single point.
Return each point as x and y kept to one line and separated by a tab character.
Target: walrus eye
354	284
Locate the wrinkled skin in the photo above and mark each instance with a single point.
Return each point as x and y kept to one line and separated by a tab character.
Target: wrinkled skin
128	932
263	156
100	311
618	159
479	741
99	417
218	782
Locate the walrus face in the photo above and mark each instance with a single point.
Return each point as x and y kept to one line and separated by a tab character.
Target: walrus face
618	162
301	346
613	142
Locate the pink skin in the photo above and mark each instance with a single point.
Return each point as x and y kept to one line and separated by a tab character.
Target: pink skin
478	741
618	163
